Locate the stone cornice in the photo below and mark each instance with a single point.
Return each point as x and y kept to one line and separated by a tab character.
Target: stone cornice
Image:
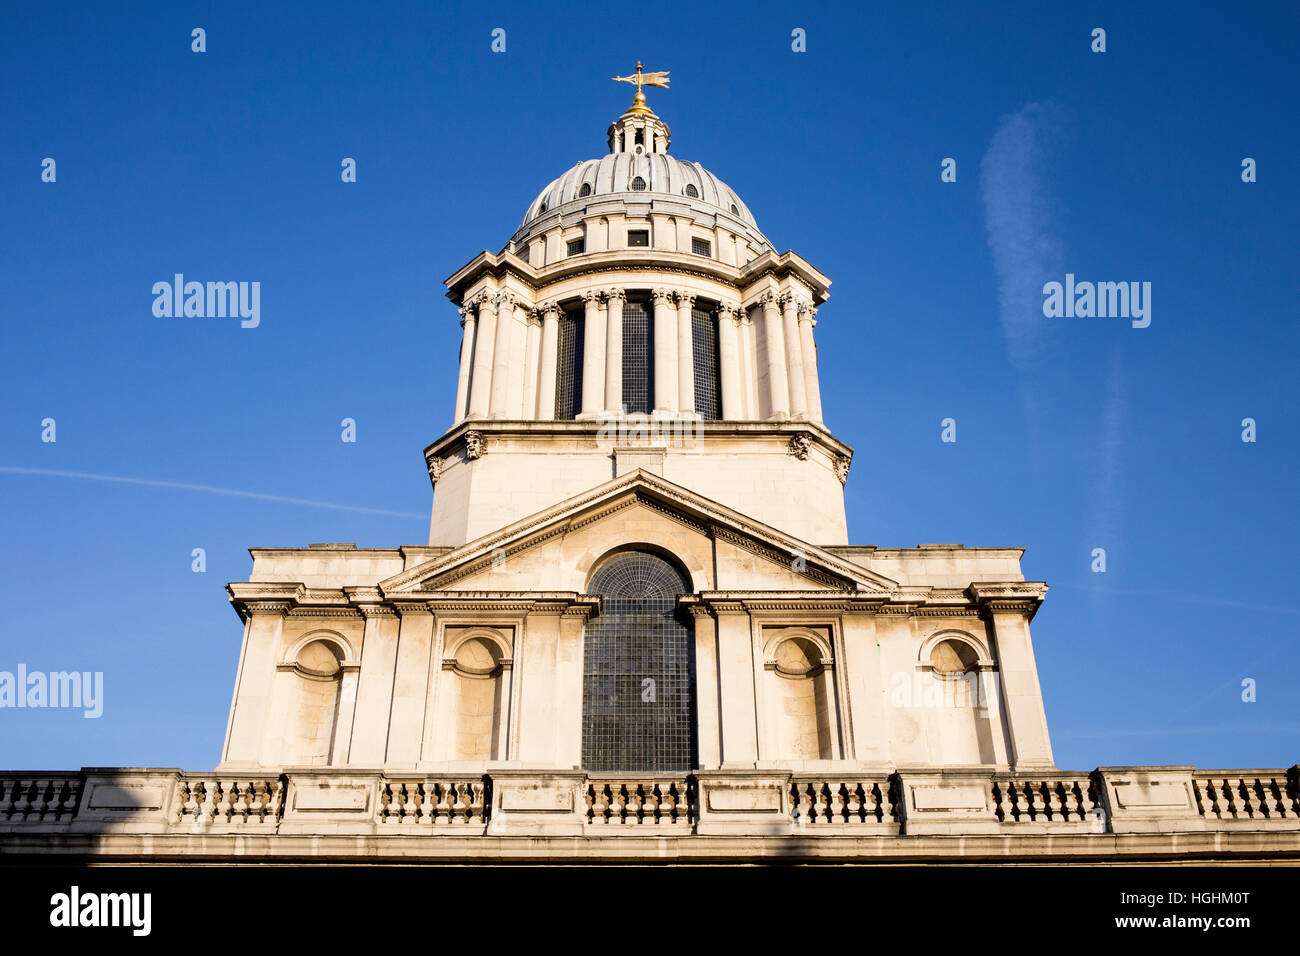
646	487
768	266
296	600
1010	597
522	428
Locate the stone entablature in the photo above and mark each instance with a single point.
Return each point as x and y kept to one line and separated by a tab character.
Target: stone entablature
746	466
1112	814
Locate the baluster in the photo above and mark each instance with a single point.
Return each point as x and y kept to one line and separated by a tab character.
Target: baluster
853	802
426	809
460	809
441	808
618	803
599	803
1229	799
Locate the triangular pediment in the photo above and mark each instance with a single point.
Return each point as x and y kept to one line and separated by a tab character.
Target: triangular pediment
638	499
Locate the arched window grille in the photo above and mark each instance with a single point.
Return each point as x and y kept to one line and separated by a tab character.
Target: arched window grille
638	679
692	191
638	184
585	190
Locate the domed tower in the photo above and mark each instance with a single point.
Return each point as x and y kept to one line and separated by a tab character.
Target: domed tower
638	319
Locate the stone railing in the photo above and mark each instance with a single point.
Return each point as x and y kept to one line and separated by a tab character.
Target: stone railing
1247	796
203	800
455	801
818	800
38	798
1056	798
665	801
1260	807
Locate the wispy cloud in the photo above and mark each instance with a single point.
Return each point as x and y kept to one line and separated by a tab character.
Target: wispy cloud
1021	216
206	489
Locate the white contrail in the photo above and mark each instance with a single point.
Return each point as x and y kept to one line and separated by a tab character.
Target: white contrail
210	489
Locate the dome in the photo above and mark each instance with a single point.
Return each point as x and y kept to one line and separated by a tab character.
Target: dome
639	173
660	175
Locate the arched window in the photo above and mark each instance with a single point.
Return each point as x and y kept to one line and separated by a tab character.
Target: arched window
638	675
585	190
734	210
692	191
638	184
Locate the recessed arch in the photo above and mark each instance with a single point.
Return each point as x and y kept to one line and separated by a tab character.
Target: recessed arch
638	677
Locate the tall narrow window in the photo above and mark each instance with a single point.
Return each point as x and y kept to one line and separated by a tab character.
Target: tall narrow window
638	359
704	351
638	673
568	370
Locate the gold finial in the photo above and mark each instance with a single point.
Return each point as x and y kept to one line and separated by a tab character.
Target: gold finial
643	79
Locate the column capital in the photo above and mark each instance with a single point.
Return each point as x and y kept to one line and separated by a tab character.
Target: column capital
767	298
551	308
662	295
592	295
730	310
503	300
616	295
685	299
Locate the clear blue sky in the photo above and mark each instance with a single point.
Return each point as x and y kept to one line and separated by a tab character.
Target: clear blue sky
1073	434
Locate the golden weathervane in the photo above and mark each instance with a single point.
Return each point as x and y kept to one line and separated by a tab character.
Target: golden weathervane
641	79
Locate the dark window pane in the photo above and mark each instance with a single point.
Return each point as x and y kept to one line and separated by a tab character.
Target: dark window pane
638	359
704	351
701	247
638	689
638	237
577	246
568	371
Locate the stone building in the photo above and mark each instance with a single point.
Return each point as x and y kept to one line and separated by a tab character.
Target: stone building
639	629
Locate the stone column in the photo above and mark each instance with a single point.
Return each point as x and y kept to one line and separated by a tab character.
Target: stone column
868	722
410	685
749	362
685	354
1009	607
546	368
736	687
729	361
794	357
532	347
614	299
375	687
778	384
709	728
593	357
504	304
665	350
808	348
251	711
468	324
480	383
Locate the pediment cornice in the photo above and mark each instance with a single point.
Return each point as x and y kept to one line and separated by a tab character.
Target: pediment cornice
672	501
